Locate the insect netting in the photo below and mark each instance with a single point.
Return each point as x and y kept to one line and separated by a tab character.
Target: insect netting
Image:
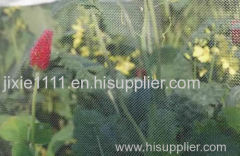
119	77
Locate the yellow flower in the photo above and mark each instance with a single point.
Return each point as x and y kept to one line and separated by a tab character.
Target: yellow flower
73	51
202	72
215	50
232	71
225	63
135	54
189	44
202	54
154	76
196	40
99	53
20	24
10	11
105	64
222	43
187	56
234	66
85	51
234	49
197	51
202	42
207	31
125	67
230	64
116	58
123	64
77	37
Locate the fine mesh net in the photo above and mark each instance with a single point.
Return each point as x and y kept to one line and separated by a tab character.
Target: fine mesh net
192	45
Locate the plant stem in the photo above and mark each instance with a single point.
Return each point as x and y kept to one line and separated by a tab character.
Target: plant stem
34	110
156	37
99	34
13	38
211	69
194	69
132	121
154	22
99	145
144	42
127	18
166	8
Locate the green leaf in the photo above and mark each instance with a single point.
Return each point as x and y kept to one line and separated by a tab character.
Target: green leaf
15	129
44	133
3	118
164	128
41	20
59	139
234	96
208	93
179	68
63	106
179	4
21	149
232	116
86	131
65	4
78	63
209	132
168	55
84	68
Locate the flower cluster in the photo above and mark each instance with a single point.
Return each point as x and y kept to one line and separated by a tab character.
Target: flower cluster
10	11
202	53
213	50
121	63
40	53
77	36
